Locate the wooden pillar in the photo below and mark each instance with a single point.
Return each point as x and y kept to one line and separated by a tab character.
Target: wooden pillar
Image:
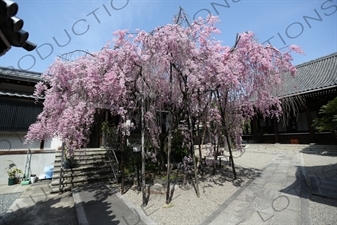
254	128
42	145
103	136
311	129
277	138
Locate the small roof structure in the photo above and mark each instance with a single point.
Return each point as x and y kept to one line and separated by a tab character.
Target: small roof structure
19	75
20	78
17	106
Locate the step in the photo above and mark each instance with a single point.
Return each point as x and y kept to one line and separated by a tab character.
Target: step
96	166
79	170
93	165
97	153
87	162
57	168
86	152
54	188
83	179
299	147
79	181
89	175
277	146
321	147
86	158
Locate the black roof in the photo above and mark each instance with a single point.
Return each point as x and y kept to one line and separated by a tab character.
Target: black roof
20	75
312	76
315	75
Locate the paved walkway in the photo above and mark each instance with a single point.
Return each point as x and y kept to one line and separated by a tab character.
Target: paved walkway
278	196
100	204
91	204
36	206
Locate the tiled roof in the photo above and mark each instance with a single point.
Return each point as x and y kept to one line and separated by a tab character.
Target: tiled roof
315	75
2	93
21	75
311	76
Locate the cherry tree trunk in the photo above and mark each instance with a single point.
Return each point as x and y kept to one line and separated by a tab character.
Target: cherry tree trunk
190	125
122	165
230	154
200	138
143	149
216	152
169	146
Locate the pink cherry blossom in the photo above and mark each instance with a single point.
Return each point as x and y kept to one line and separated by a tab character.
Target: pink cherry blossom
176	69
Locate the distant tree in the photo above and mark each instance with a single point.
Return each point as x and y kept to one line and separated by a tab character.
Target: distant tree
328	120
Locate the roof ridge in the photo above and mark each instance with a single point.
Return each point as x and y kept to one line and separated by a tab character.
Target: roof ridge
33	73
22	95
317	60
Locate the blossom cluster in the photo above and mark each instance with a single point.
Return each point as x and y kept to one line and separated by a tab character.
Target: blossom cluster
176	69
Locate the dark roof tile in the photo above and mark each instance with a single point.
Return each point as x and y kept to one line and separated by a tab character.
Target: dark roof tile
17	74
312	76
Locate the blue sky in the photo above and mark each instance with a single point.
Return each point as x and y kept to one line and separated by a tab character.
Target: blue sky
311	24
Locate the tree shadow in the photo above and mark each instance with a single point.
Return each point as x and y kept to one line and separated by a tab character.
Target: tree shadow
226	175
94	200
318	184
36	206
47	211
208	180
322	150
102	206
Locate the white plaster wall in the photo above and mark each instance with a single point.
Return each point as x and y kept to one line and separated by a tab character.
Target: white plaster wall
55	143
15	140
38	162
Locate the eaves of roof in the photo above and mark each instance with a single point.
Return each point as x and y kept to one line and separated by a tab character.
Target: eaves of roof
10	94
22	75
312	76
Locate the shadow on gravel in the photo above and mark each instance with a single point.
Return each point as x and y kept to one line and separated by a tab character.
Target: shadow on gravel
156	191
49	211
318	184
322	150
226	175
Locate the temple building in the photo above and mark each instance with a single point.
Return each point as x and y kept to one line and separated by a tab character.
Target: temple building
315	83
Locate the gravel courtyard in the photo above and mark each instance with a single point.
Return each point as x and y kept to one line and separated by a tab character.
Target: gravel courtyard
187	208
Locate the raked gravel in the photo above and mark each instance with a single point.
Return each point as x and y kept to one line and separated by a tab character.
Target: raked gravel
187	208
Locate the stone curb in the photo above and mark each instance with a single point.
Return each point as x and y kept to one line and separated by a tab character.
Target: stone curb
141	214
81	217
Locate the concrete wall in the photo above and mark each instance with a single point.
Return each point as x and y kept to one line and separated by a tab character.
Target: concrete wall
38	162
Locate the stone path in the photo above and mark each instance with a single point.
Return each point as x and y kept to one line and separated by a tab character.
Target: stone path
278	196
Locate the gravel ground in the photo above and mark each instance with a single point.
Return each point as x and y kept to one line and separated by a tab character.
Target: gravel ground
257	160
6	200
188	209
214	190
322	210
